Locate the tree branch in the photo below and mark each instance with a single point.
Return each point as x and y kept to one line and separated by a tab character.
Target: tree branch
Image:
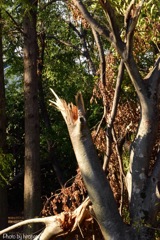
68	44
60	224
112	22
121	170
135	77
131	18
101	56
86	53
94	24
111	36
100	193
15	23
113	113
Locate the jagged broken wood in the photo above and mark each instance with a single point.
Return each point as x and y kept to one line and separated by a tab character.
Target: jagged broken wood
58	225
98	187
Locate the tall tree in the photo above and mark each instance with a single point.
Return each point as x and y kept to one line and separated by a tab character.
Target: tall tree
32	186
3	188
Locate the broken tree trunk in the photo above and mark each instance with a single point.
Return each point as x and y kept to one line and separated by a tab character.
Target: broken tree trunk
60	224
100	193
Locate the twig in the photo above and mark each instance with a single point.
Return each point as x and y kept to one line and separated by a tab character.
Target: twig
85	52
101	56
102	74
113	114
16	24
120	170
100	124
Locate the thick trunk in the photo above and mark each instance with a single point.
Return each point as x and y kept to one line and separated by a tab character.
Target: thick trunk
141	150
142	187
32	190
99	190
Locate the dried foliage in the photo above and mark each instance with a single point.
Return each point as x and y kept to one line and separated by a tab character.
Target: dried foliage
68	199
77	15
125	125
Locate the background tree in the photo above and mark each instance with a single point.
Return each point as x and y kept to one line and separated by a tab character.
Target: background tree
32	189
3	189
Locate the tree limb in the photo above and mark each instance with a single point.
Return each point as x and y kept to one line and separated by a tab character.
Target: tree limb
97	185
113	113
84	52
57	225
18	27
131	18
112	22
110	35
121	170
135	77
94	24
101	57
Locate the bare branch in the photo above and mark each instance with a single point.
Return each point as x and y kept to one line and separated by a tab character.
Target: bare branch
131	18
68	44
112	22
84	52
121	170
101	56
18	27
59	224
113	113
102	74
135	77
112	35
94	24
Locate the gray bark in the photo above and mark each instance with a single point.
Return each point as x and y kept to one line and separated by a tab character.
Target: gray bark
99	190
141	187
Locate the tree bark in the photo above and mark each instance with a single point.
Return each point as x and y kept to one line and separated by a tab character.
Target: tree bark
138	179
32	186
98	188
3	188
